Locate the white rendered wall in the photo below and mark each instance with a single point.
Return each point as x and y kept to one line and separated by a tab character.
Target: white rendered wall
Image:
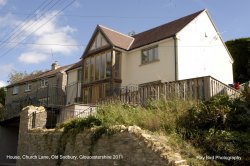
201	52
133	73
72	87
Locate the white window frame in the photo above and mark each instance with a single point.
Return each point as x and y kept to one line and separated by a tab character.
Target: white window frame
27	87
150	57
15	90
44	83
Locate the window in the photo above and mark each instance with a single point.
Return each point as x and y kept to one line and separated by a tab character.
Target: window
92	69
15	90
86	70
97	66
27	87
44	82
79	75
103	63
149	55
108	65
117	68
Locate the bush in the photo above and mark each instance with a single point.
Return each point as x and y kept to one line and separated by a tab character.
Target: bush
220	126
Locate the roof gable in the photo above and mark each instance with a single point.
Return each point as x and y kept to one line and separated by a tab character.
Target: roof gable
98	42
93	46
117	39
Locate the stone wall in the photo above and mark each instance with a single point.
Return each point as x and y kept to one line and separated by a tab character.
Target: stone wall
128	146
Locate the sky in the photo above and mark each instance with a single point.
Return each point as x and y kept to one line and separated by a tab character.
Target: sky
36	33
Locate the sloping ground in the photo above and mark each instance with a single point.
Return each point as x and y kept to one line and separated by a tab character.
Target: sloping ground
98	146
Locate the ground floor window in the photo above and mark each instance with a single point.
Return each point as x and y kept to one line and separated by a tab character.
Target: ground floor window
97	92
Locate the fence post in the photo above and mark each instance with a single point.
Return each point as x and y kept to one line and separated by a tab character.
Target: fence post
207	87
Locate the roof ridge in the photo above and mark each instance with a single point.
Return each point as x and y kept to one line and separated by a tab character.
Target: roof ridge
171	21
115	31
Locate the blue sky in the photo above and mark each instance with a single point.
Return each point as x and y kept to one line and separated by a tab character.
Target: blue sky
33	40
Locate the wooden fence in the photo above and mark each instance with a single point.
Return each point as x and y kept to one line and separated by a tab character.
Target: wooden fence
201	88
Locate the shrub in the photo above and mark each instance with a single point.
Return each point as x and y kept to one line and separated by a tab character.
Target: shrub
220	126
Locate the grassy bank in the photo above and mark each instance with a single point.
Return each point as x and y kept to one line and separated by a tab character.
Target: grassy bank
218	127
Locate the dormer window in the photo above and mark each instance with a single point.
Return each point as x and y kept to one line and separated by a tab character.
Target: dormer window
15	90
44	83
27	87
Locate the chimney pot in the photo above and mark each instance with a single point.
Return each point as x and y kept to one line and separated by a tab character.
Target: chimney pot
55	66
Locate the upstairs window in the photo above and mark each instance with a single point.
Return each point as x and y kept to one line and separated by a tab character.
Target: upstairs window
44	83
15	90
27	87
149	55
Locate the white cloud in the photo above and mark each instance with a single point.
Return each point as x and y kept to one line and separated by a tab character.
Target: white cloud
3	2
2	84
50	35
32	57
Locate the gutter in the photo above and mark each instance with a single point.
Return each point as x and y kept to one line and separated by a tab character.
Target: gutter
176	58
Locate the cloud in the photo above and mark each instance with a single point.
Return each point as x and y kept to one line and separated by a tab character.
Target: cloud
32	57
2	84
3	2
48	34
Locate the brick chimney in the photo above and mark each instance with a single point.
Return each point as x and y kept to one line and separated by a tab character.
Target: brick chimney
55	66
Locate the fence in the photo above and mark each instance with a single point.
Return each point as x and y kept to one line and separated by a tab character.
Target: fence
50	96
201	88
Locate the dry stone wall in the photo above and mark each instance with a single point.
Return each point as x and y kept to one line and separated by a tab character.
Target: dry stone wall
128	146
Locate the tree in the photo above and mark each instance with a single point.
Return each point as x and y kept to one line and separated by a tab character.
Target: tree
15	76
240	51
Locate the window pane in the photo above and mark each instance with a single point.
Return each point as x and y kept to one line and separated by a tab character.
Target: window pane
117	65
103	63
97	67
79	75
108	65
144	57
86	71
150	55
85	95
92	61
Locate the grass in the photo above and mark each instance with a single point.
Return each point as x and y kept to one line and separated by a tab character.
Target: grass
217	127
160	117
156	116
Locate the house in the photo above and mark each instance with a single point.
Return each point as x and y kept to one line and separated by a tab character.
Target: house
44	88
74	83
185	48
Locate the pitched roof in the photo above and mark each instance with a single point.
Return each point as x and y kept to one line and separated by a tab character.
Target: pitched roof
126	42
74	66
39	75
163	31
116	38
